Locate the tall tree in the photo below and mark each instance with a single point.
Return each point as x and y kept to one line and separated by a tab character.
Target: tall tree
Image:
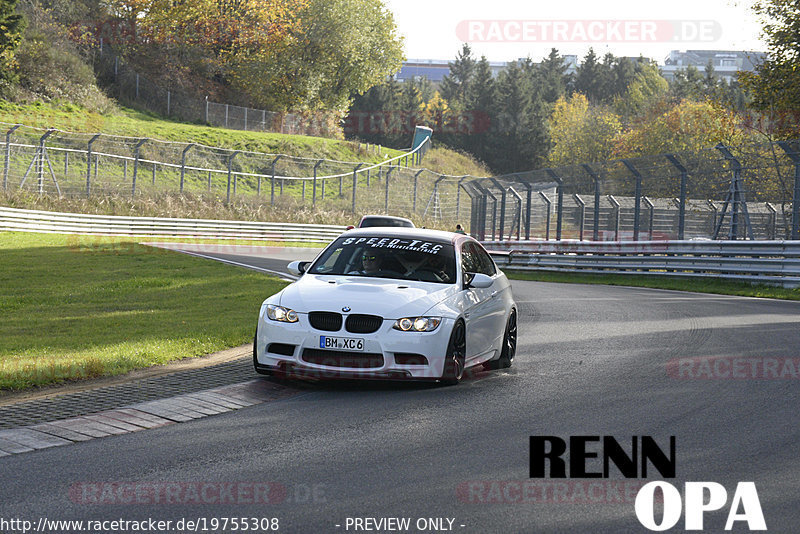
775	84
589	77
551	77
455	86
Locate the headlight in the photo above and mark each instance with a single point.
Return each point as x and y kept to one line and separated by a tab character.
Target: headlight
279	313
417	324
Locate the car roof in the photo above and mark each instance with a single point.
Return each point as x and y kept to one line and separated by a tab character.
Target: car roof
415	233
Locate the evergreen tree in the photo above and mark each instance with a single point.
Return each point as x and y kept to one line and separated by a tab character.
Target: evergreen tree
551	78
589	78
455	86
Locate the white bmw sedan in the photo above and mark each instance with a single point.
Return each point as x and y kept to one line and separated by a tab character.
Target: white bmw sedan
399	303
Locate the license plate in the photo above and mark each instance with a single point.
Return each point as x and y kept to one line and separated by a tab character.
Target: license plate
341	343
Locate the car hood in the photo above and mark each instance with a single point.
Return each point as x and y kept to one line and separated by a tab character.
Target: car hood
391	299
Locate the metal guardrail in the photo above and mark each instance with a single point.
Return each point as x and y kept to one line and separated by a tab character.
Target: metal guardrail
18	220
771	262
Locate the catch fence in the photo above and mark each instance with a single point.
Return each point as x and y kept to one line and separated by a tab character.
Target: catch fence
725	192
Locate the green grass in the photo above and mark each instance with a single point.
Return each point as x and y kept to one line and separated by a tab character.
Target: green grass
75	309
714	285
132	123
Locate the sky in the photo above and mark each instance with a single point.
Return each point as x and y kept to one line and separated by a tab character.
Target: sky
505	30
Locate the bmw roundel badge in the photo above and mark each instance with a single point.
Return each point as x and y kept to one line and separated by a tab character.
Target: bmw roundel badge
346	309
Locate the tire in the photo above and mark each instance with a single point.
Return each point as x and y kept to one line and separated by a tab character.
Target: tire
509	345
456	356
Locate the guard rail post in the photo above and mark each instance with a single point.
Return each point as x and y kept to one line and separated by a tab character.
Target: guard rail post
637	202
560	205
582	206
314	190
596	221
682	199
355	186
8	155
89	164
183	163
230	172
136	164
502	206
794	155
272	182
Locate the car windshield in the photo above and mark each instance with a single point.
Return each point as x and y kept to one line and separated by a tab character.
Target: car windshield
369	222
389	257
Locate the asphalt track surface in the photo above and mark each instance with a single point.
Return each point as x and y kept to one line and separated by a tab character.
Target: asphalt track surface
592	360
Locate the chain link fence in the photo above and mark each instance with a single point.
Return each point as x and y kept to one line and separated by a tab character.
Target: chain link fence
741	192
64	164
129	87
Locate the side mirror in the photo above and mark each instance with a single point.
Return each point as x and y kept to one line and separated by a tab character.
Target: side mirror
298	267
478	280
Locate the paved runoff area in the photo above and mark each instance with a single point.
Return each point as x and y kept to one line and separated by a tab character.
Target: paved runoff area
132	406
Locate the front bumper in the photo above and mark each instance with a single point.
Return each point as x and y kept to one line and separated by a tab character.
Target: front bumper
387	354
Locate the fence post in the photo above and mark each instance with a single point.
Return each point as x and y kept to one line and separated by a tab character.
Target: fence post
226	115
183	162
230	172
615	205
89	164
502	206
414	200
355	185
154	170
795	157
66	163
136	164
8	155
637	202
137	86
560	204
773	218
651	207
458	197
272	182
207	110
596	222
682	200
314	193
245	120
735	197
582	206
169	98
548	203
386	202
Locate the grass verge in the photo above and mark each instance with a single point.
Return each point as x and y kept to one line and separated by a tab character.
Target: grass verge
74	310
713	285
